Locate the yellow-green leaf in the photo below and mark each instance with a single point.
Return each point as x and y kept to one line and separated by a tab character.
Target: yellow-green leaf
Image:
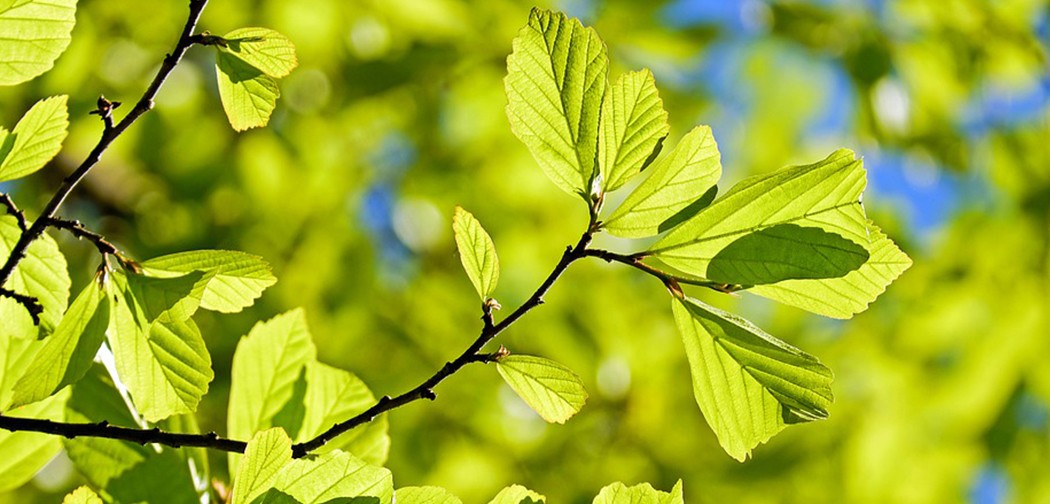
633	127
549	388
35	139
267	454
618	493
34	35
248	95
476	252
517	494
262	48
239	278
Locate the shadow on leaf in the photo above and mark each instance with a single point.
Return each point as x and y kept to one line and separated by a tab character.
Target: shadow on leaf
785	252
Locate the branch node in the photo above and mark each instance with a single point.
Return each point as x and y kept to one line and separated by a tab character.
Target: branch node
428	393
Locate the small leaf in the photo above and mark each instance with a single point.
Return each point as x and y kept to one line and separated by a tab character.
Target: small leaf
248	95
675	181
265	458
239	279
333	395
633	126
68	353
549	388
618	493
42	274
34	34
748	384
334	475
517	494
556	78
22	454
82	495
425	495
476	252
262	48
36	138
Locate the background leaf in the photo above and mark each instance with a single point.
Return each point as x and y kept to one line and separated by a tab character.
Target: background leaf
22	454
262	48
35	33
239	279
36	138
82	495
42	275
633	127
425	495
248	95
476	252
549	388
334	475
333	395
618	493
517	494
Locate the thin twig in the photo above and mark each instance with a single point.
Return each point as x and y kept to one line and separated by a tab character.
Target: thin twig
670	280
29	302
105	430
104	246
12	209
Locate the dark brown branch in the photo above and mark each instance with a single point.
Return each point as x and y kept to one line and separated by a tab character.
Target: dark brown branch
670	280
29	302
105	430
12	209
104	246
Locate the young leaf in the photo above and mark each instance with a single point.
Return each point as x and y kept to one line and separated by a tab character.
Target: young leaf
264	462
239	279
425	495
633	127
618	493
748	384
68	353
517	494
35	33
248	95
22	454
476	252
82	495
675	182
335	476
262	48
549	388
333	395
42	275
556	77
36	138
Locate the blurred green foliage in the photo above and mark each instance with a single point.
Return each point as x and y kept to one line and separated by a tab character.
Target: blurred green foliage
396	115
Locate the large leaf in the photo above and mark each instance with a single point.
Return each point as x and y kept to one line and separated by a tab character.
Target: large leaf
239	279
517	494
333	395
618	493
68	353
22	454
35	139
267	454
633	127
476	252
425	495
34	34
262	48
675	183
248	95
336	476
41	274
266	366
556	78
549	388
748	384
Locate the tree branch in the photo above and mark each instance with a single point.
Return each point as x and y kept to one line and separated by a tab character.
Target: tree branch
670	280
12	209
104	246
105	430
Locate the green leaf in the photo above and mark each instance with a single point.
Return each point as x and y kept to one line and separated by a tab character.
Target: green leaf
476	252
748	384
239	279
556	78
334	475
618	493
549	388
785	252
425	495
333	395
35	33
266	366
675	181
17	351
248	95
164	362
262	48
36	138
265	458
22	454
42	275
517	494
633	127
167	299
82	495
68	353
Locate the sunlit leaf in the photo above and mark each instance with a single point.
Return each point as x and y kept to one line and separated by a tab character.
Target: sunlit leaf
18	352
248	95
35	139
549	388
618	493
264	461
34	34
785	252
41	274
425	495
332	476
239	279
476	252
82	495
748	384
517	494
555	83
22	454
633	126
333	395
262	48
675	182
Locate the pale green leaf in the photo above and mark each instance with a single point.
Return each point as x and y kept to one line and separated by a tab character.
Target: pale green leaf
262	48
264	462
239	279
333	395
331	476
167	299
67	354
675	183
35	139
18	352
425	495
633	127
41	274
517	494
248	95
618	493
556	79
549	388
82	495
22	454
34	34
476	252
748	384
266	366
